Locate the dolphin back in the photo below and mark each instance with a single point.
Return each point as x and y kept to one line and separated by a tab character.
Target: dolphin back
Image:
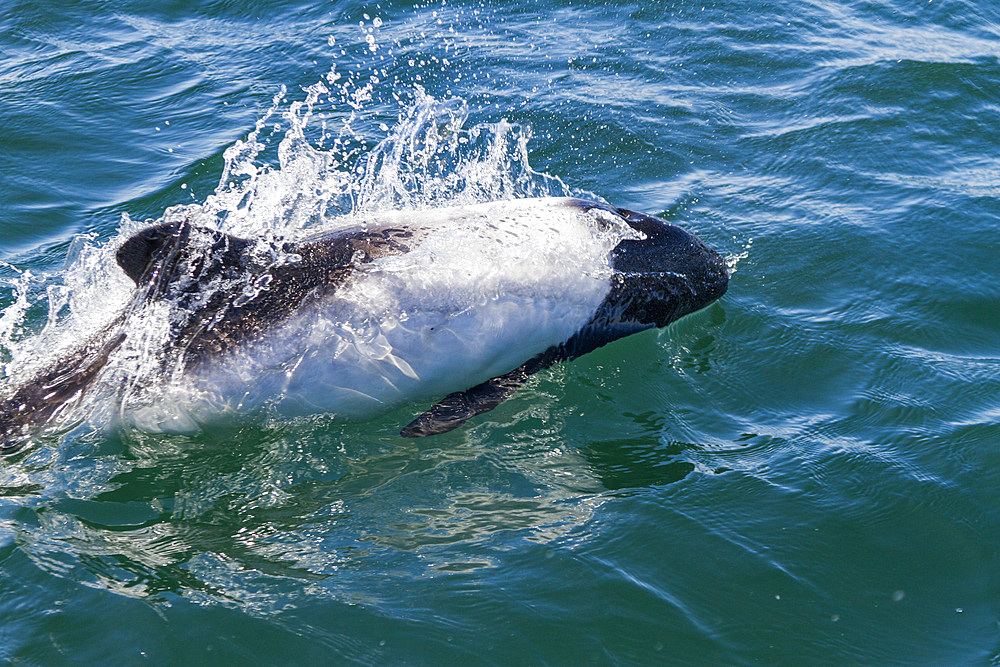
185	264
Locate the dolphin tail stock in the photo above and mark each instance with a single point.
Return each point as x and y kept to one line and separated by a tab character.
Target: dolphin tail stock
33	404
150	259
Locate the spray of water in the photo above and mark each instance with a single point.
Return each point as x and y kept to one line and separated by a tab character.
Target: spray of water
308	163
354	145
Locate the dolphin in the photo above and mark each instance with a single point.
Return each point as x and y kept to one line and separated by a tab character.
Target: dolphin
459	304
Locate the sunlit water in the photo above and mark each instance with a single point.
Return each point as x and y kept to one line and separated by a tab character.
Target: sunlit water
802	473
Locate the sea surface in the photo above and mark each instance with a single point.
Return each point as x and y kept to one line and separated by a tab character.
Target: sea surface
806	472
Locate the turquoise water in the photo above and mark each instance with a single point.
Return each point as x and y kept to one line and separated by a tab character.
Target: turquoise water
803	473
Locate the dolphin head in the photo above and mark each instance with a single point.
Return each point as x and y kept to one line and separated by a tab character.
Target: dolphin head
663	276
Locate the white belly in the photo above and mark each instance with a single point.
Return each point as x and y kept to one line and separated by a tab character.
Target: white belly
487	288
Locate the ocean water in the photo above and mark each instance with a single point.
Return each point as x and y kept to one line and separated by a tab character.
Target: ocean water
806	472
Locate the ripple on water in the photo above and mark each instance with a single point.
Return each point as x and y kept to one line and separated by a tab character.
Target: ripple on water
805	469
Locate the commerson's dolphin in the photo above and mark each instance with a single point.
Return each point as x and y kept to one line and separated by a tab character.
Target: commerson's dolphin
463	303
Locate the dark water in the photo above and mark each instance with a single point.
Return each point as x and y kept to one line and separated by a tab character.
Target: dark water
805	472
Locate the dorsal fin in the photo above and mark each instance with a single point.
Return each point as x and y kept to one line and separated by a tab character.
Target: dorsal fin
150	247
143	248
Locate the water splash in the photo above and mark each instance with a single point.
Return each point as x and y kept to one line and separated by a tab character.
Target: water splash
324	157
294	171
352	145
430	158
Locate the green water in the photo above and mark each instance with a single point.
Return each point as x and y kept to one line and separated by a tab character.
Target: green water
803	473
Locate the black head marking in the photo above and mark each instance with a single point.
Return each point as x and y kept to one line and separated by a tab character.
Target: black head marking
665	275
